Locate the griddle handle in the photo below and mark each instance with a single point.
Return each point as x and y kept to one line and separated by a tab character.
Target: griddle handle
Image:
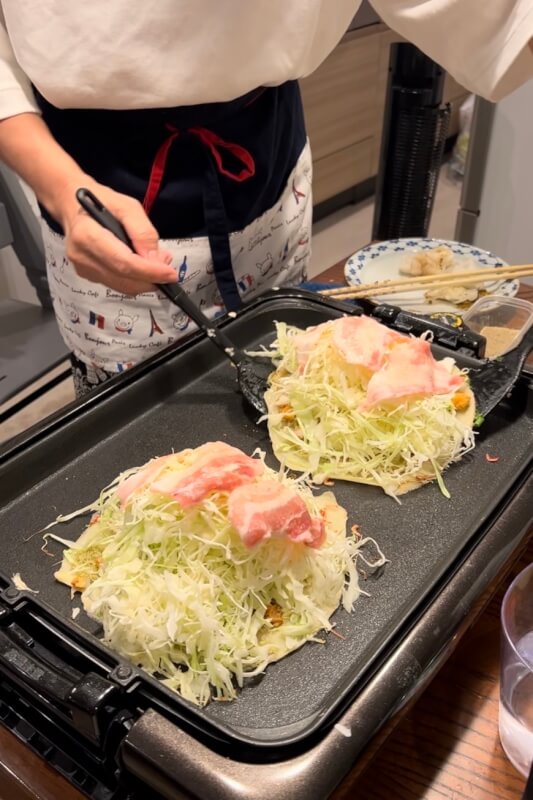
84	700
443	334
17	660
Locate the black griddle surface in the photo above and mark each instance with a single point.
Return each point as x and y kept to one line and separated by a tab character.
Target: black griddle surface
189	397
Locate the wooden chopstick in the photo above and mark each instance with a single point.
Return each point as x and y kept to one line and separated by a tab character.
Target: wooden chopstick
490	271
396	286
370	290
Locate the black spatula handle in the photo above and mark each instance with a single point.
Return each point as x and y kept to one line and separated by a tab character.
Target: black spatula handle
179	297
173	291
99	213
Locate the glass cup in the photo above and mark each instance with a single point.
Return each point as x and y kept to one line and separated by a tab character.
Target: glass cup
516	680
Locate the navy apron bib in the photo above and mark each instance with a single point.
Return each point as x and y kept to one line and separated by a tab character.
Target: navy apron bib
205	170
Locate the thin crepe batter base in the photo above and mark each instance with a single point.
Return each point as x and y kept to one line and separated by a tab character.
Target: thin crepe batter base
298	464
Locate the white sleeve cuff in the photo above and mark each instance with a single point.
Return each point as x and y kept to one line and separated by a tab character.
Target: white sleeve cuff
14	100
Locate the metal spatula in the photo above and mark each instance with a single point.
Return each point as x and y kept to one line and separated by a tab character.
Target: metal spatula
251	385
495	379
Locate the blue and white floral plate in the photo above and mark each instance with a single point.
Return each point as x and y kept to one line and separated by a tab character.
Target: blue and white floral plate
382	261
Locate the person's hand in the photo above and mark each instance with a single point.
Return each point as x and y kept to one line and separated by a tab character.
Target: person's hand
28	147
99	256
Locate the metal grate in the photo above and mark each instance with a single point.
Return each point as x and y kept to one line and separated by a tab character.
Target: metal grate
415	157
415	127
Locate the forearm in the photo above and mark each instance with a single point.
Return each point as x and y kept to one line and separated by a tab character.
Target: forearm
28	147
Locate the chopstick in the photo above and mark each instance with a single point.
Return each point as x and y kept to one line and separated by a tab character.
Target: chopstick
489	271
425	282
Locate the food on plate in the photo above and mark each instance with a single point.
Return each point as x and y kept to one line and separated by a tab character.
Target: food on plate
458	295
428	262
205	566
355	400
439	260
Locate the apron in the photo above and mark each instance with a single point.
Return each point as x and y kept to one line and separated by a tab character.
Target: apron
227	186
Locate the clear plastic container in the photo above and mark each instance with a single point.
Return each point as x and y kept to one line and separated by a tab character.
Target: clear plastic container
504	321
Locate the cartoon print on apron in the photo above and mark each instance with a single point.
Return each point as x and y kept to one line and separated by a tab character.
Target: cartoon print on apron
112	331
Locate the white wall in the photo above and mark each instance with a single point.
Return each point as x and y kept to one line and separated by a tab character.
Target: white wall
505	224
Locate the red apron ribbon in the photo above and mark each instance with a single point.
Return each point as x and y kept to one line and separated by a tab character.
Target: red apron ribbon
214	144
158	170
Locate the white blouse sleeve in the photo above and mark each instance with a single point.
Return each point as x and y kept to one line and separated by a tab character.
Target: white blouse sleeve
16	96
484	44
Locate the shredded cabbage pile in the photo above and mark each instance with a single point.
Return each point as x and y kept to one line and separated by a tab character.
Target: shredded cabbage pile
316	426
179	594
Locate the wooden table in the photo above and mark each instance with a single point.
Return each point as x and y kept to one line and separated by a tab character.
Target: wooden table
444	747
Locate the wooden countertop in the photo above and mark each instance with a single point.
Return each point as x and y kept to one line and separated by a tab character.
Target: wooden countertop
444	747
